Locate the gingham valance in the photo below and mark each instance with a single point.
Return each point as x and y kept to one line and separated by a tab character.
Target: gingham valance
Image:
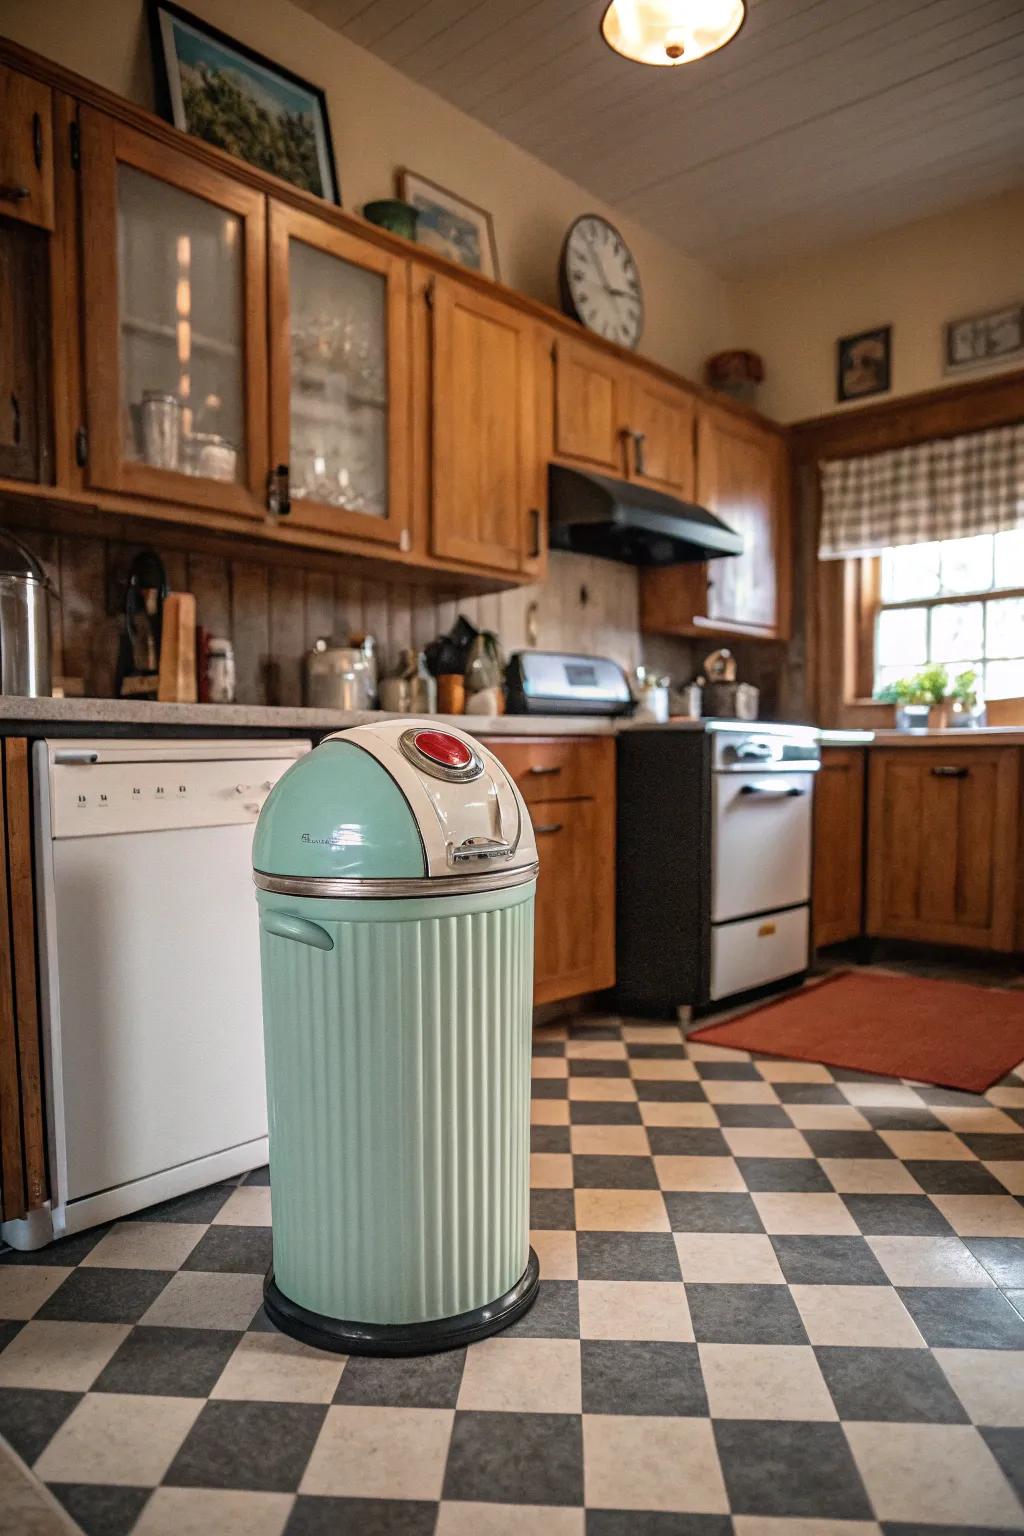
938	490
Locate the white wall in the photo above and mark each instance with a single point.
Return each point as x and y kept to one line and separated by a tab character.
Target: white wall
914	278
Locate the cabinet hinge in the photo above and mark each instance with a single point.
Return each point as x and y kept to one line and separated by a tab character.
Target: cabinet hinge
75	145
428	294
81	447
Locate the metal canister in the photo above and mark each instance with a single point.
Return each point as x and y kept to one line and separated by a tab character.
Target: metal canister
25	595
161	429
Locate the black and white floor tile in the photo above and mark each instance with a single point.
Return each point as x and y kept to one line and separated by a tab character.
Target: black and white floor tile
775	1299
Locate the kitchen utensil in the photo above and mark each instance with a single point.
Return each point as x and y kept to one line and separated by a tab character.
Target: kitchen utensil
161	428
138	656
24	621
177	676
720	667
651	696
338	677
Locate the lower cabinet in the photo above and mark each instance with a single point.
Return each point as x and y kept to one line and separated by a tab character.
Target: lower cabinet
839	846
943	844
569	785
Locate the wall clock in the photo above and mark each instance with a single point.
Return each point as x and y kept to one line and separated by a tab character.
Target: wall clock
599	282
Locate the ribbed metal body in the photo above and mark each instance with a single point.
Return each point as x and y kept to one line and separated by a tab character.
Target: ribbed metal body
398	1079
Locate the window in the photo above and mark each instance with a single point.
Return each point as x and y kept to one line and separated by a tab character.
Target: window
958	602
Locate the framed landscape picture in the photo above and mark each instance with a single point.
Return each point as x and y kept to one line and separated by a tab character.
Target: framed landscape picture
218	89
864	364
451	225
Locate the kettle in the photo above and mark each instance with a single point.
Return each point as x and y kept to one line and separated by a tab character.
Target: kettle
25	591
339	676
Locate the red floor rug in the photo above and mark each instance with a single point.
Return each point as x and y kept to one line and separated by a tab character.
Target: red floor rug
943	1032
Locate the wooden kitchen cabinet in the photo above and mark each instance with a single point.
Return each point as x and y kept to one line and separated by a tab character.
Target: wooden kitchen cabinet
23	1173
838	883
175	272
943	826
741	476
658	432
486	476
339	378
26	149
569	785
25	433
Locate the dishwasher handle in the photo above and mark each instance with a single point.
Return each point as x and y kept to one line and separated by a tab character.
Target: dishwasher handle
71	756
283	925
773	791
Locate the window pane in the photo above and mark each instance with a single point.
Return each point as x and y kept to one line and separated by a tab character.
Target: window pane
886	675
909	572
1004	631
902	637
967	564
1009	558
956	632
1004	680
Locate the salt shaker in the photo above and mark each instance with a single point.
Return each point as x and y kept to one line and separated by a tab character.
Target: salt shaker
220	671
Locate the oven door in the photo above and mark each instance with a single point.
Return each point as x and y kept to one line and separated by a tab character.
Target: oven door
760	842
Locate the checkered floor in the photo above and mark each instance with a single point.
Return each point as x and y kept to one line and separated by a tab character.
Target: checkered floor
776	1299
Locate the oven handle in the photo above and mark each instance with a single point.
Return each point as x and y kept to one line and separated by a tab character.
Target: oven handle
773	791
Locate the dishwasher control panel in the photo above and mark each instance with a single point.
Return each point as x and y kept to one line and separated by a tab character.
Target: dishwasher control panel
91	799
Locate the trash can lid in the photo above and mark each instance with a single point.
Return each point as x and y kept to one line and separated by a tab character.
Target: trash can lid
401	808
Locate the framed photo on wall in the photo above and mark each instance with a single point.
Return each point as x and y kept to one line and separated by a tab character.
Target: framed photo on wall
996	337
451	225
864	364
210	85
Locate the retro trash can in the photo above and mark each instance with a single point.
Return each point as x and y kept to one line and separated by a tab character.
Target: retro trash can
395	868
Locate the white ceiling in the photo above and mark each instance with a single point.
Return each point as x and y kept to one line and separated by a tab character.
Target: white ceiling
823	120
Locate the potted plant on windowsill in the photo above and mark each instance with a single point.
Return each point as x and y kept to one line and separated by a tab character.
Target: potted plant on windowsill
921	700
968	707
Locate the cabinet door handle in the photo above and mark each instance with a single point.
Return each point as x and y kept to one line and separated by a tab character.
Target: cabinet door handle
547	828
949	771
540	770
37	140
639	466
279	491
11	193
535	526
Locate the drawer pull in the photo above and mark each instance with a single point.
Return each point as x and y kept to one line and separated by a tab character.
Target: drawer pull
541	770
547	828
766	930
13	194
948	771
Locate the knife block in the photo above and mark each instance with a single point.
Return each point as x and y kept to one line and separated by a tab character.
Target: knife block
177	681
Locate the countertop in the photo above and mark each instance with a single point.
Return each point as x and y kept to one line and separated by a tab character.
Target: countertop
256	717
982	736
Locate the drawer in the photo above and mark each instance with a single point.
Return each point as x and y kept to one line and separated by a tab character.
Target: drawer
551	767
758	950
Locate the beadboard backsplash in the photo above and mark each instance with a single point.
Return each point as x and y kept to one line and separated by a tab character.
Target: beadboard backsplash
273	613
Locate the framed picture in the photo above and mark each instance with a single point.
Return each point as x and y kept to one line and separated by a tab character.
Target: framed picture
993	338
864	364
451	225
221	91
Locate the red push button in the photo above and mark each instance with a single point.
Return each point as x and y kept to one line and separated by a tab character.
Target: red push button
439	747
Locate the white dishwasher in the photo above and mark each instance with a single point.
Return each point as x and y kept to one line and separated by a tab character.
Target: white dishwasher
149	958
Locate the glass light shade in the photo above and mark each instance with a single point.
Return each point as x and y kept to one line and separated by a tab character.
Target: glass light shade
670	32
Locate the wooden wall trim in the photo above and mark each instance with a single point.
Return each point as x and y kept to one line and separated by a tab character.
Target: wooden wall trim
128	112
969	406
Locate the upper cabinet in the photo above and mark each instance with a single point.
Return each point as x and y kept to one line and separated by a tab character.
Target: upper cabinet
741	476
175	324
26	149
486	488
339	379
621	420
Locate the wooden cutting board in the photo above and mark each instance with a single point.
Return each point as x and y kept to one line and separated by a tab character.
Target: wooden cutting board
177	684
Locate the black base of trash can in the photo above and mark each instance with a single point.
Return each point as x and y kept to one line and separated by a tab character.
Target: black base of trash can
427	1338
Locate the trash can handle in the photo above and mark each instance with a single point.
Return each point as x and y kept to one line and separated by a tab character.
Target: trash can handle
285	926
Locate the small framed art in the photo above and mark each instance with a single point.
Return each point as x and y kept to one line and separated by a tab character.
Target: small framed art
451	225
864	364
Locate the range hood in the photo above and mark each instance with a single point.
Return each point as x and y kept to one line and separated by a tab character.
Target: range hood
596	515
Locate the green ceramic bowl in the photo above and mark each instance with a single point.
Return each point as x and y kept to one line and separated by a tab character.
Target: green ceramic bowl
391	213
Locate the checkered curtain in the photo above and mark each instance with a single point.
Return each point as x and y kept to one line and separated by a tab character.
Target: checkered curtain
939	490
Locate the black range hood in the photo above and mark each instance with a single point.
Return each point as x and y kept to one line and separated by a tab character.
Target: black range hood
596	515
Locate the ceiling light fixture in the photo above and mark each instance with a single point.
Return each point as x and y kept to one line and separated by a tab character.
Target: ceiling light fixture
670	32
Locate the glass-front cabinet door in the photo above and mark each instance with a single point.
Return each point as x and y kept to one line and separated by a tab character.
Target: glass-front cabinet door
175	324
339	414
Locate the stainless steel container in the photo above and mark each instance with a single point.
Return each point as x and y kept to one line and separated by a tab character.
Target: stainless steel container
731	701
24	621
338	677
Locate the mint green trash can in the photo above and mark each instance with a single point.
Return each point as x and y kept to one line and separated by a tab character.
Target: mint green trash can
395	868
